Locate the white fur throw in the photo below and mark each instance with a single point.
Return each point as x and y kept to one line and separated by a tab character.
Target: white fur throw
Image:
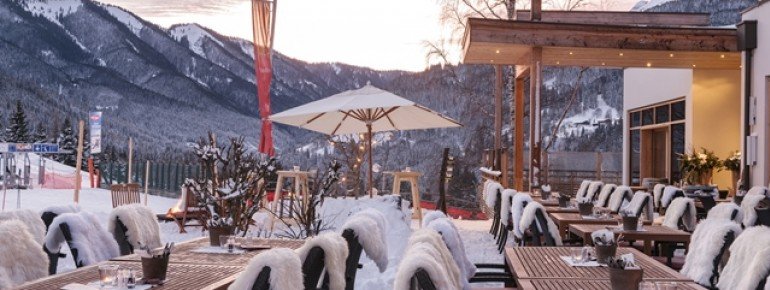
635	206
517	208
749	213
30	218
94	243
528	217
21	257
369	235
618	197
60	209
668	195
757	190
604	195
681	208
725	211
454	243
505	205
426	250
705	244
593	189
285	270
749	260
492	191
583	189
379	217
140	221
431	216
657	192
335	253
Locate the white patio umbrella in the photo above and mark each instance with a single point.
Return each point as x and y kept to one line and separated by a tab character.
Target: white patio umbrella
365	110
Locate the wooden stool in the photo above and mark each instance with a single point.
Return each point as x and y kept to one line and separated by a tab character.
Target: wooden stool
411	177
300	188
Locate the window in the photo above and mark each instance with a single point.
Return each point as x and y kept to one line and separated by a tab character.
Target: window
647	117
677	111
636	147
661	114
656	139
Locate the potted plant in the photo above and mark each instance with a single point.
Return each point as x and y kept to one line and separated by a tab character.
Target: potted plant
546	192
585	206
231	185
698	168
563	199
624	274
733	164
605	245
630	220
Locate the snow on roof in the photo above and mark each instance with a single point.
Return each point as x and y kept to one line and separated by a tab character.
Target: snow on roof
195	36
645	5
126	18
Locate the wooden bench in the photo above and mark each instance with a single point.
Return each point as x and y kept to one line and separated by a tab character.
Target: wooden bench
123	194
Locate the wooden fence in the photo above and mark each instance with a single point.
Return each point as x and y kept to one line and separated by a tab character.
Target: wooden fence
164	178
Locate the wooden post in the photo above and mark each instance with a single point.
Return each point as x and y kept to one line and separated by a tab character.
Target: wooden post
537	10
146	181
535	83
79	160
130	158
498	116
518	139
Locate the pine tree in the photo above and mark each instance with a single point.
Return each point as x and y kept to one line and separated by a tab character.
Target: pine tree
18	131
67	141
41	134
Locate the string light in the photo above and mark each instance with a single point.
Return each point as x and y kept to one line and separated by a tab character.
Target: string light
671	55
497	51
620	54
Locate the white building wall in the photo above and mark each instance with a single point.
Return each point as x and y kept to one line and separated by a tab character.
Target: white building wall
760	74
643	87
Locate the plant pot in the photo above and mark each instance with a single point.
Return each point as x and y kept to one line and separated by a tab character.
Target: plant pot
545	195
216	232
735	176
563	201
625	279
705	177
586	208
155	268
630	223
605	253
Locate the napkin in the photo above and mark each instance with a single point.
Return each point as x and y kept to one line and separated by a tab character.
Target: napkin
568	260
217	250
630	262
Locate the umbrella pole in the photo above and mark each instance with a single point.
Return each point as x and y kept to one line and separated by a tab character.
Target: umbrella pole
371	168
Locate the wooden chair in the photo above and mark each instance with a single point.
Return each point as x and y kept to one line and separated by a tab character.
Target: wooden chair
314	270
122	238
53	258
354	255
191	211
263	280
421	280
124	194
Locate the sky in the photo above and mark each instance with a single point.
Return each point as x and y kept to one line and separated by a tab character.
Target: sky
384	35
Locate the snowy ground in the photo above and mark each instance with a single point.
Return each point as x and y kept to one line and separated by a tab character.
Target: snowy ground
479	243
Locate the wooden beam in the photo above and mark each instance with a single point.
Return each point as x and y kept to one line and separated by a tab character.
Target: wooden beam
545	34
522	71
535	83
498	115
620	17
518	138
537	10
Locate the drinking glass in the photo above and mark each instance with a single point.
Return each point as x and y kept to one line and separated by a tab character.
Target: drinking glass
108	275
647	285
576	254
639	223
224	241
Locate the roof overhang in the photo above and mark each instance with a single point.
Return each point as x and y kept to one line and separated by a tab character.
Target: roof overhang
510	42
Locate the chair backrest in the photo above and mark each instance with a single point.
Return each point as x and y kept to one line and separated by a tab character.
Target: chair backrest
124	194
263	280
422	281
541	219
707	201
603	199
702	263
313	268
354	256
122	238
763	213
729	238
65	230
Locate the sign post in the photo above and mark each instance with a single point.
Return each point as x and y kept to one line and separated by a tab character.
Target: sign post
95	140
79	160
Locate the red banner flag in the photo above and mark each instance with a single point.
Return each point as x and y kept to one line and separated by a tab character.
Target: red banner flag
263	24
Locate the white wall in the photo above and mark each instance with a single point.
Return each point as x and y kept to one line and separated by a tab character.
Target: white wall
643	87
760	71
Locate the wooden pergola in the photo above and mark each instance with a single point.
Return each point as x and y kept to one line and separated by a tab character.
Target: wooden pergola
537	38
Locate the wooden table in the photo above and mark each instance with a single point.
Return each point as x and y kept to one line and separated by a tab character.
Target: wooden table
557	209
553	201
411	177
544	263
647	235
564	220
186	269
301	188
551	284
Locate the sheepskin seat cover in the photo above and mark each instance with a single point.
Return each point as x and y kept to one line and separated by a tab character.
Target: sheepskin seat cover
505	205
725	211
749	261
493	190
30	218
618	197
635	206
749	212
60	209
285	270
593	189
657	192
426	250
431	216
21	257
454	243
757	190
681	208
517	208
528	217
604	195
335	253
140	221
583	189
705	244
369	235
94	243
378	217
668	195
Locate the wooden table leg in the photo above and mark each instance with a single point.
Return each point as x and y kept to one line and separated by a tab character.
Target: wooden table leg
648	247
416	200
396	185
276	199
